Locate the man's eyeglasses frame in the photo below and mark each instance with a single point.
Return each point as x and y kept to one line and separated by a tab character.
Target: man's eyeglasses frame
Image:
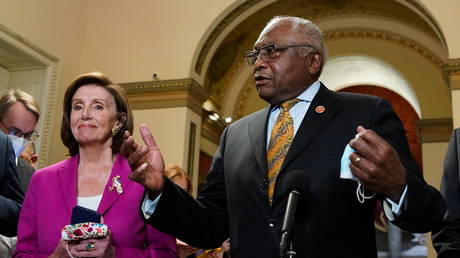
30	136
269	52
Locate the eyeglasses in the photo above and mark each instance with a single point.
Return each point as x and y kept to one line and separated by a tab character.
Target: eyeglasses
30	136
268	53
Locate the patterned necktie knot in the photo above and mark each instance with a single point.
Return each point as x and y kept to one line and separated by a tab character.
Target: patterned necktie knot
288	104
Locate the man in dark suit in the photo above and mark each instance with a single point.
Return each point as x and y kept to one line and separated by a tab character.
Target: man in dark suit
11	196
19	114
306	127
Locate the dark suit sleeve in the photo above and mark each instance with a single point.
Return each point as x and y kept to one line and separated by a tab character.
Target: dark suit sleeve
25	171
202	222
424	207
11	195
446	239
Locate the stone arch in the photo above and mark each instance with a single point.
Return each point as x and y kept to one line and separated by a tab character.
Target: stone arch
218	67
345	71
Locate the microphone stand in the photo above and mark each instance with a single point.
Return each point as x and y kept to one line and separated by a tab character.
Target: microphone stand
290	253
288	226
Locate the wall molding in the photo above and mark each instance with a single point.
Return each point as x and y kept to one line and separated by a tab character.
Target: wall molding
19	39
386	36
451	68
166	94
48	104
434	130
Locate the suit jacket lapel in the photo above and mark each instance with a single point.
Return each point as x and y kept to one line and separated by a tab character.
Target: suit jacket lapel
313	121
67	177
120	168
257	135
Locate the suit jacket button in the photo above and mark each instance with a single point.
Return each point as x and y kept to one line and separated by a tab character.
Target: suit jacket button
263	185
271	222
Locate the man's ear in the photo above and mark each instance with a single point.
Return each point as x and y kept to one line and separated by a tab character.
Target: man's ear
315	63
32	160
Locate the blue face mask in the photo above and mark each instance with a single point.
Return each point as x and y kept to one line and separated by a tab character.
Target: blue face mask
19	144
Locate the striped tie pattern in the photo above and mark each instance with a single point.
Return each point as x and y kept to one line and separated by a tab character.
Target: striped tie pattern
280	140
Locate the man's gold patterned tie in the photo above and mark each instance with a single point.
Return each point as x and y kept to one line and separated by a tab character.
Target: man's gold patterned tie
280	140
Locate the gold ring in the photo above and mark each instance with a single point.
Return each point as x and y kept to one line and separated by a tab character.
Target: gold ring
90	247
357	159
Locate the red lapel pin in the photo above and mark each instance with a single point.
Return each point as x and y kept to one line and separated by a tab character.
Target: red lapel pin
320	109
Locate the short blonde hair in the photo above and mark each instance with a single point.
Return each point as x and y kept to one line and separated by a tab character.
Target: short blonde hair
15	95
174	172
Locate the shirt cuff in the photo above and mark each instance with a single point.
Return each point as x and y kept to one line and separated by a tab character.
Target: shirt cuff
392	209
149	205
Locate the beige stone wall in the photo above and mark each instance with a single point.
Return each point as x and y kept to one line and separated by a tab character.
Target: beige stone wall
169	128
129	41
433	159
446	14
456	108
132	40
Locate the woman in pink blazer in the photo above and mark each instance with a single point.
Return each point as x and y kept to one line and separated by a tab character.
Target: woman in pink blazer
96	113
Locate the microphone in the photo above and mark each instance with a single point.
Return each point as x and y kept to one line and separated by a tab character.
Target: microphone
297	182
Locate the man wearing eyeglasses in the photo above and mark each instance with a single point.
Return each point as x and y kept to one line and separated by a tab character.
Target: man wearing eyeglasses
306	131
19	114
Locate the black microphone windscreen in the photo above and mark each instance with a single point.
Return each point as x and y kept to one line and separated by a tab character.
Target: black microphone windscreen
296	180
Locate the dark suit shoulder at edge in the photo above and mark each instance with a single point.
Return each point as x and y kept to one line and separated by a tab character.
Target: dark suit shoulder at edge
357	96
250	117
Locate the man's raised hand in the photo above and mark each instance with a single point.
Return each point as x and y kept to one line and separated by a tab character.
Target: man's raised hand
146	161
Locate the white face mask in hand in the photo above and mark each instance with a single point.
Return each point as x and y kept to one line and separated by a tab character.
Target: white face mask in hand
19	144
345	173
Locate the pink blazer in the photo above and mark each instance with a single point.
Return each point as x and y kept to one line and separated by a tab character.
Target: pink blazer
53	193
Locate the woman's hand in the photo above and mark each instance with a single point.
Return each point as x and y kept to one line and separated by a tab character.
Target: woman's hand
96	247
60	250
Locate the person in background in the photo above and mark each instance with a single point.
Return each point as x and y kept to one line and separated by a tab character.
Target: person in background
30	155
343	151
95	177
19	114
179	176
446	239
